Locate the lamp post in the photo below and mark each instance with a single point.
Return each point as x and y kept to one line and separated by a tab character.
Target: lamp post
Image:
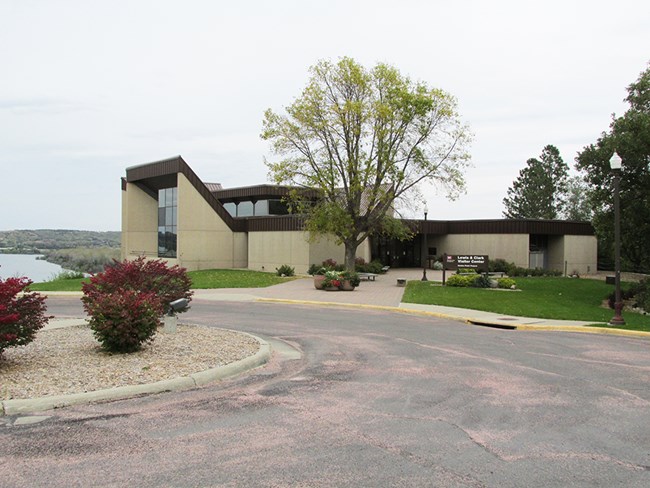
426	245
615	164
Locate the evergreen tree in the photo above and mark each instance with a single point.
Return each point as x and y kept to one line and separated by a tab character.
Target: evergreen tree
539	190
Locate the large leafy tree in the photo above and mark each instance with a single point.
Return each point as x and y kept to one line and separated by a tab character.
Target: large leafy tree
539	190
629	136
365	139
577	204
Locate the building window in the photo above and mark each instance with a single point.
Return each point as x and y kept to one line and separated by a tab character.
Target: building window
245	209
231	208
167	222
278	207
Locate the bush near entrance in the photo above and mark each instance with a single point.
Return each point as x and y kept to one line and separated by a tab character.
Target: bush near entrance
22	313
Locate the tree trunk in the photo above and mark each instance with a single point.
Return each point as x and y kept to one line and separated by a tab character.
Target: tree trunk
350	255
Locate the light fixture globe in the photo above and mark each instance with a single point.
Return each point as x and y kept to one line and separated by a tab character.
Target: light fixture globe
615	162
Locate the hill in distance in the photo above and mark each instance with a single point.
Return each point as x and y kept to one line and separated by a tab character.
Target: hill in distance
47	239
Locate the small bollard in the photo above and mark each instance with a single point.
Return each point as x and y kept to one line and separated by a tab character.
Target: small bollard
170	324
401	281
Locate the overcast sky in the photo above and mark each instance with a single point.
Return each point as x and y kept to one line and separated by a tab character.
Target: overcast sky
89	88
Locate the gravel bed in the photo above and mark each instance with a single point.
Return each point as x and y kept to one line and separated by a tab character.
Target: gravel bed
70	360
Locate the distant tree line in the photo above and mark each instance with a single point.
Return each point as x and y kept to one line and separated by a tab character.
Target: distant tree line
36	241
84	260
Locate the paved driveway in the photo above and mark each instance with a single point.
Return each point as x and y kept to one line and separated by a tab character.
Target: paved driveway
377	399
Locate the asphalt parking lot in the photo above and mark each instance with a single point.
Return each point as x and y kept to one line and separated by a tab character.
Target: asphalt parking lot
368	398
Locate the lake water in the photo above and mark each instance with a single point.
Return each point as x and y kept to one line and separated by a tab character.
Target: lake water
27	265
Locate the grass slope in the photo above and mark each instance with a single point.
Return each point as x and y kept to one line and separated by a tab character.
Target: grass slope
234	278
210	278
551	298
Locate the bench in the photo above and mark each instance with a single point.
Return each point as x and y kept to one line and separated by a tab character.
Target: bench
500	274
367	276
385	269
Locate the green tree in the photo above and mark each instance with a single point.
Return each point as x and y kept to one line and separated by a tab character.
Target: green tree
539	190
577	205
365	140
629	136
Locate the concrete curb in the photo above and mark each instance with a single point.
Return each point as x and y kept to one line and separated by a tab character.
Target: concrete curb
21	406
586	330
474	321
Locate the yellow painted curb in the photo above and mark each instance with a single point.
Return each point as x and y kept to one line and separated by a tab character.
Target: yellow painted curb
469	320
586	330
365	306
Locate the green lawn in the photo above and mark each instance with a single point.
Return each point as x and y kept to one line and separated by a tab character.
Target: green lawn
209	278
551	298
71	284
234	278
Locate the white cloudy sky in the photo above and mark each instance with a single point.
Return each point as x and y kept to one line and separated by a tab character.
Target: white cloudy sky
88	88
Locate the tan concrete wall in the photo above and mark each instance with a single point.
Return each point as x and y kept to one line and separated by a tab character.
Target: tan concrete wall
139	223
511	247
363	251
581	254
204	240
240	250
270	250
323	248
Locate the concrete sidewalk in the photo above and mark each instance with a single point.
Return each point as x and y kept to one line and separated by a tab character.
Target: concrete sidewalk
384	293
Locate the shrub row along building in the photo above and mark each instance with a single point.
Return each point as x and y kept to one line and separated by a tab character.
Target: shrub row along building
168	212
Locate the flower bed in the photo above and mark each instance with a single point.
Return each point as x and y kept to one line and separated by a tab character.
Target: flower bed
336	281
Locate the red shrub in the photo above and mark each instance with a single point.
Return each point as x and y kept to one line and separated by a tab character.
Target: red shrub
126	301
141	275
122	321
20	316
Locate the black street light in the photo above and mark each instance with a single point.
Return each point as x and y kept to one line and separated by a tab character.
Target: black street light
426	245
615	164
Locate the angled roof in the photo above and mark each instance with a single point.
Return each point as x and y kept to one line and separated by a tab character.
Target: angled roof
153	176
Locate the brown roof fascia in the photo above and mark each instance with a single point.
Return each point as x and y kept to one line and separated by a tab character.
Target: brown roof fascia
506	226
260	192
176	165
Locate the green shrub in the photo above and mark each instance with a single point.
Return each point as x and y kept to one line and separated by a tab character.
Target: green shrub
438	266
374	266
313	269
638	293
500	265
352	277
22	313
68	275
466	271
506	283
642	294
285	270
517	271
482	281
460	280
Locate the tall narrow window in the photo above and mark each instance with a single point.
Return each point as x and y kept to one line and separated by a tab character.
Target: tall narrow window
167	219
